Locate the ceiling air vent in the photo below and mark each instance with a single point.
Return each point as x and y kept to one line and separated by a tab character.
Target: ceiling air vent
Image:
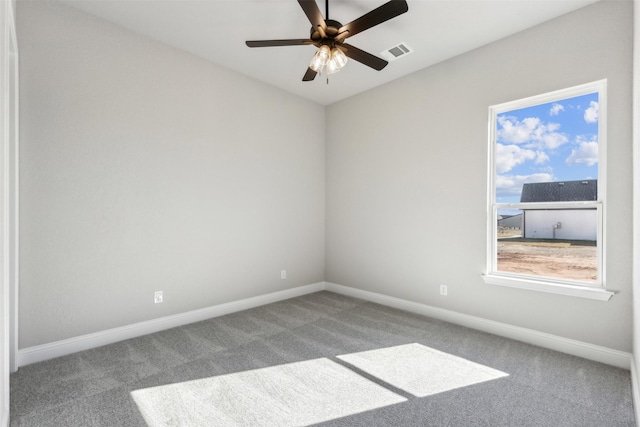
396	52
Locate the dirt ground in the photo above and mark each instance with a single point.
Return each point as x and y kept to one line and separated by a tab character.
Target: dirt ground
552	259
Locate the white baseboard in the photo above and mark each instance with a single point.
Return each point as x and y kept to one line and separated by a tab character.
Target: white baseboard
601	354
635	390
52	350
553	342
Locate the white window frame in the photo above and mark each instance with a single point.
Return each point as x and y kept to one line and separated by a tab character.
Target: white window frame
575	288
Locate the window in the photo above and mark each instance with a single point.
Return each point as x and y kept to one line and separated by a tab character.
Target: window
547	192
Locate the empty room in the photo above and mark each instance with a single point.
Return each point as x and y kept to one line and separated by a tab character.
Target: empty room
320	212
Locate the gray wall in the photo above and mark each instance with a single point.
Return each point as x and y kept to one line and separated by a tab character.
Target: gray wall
636	197
406	176
144	168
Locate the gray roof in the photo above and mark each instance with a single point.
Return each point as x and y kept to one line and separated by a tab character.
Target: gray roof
561	191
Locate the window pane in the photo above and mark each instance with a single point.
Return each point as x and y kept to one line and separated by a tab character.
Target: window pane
557	143
557	243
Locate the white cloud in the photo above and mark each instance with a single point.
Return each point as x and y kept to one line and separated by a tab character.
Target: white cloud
514	131
586	153
509	185
556	109
553	140
532	131
541	157
591	113
510	156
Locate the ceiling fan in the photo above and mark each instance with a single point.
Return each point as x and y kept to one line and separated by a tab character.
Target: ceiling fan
329	37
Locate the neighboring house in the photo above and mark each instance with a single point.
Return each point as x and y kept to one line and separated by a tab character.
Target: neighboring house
510	221
570	224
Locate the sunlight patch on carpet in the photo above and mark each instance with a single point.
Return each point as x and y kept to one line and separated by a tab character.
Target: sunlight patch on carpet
300	393
421	370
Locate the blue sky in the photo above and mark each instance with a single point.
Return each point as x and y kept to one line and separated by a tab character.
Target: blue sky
557	141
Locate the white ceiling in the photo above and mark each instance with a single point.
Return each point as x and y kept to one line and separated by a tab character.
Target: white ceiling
216	30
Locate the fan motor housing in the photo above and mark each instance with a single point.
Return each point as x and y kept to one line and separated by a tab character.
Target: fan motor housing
331	30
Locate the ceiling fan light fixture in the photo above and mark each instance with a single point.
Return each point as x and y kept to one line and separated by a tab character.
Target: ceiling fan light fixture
337	61
338	57
332	67
320	59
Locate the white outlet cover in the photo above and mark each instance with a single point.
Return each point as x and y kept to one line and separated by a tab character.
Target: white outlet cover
157	297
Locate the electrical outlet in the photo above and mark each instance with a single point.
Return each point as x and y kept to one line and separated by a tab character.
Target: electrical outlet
158	297
443	290
283	274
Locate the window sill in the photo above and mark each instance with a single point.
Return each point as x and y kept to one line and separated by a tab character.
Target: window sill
553	288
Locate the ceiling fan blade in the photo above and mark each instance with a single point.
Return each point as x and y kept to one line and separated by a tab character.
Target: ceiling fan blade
341	36
287	42
312	11
309	75
377	16
363	57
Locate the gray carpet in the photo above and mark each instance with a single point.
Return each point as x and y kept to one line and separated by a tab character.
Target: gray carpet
321	359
